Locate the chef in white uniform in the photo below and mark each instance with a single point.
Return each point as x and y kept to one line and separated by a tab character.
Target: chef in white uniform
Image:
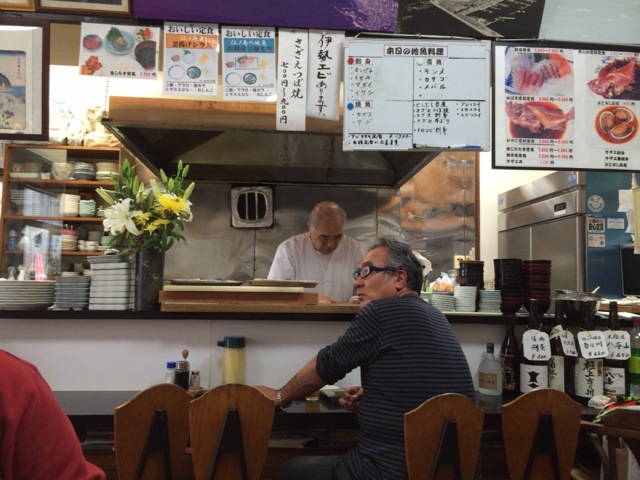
323	254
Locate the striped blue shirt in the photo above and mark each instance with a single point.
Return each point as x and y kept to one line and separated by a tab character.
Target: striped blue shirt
407	353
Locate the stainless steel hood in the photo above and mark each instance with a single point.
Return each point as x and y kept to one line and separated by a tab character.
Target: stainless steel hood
237	143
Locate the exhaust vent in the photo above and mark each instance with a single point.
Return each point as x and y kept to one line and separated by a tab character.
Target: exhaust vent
251	207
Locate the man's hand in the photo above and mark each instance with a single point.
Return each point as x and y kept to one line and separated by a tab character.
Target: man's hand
323	299
351	398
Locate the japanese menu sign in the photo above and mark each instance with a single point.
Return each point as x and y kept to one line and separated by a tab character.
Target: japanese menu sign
561	107
416	94
293	46
325	74
249	63
190	59
121	51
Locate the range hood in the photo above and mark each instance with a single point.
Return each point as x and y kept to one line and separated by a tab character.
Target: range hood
233	142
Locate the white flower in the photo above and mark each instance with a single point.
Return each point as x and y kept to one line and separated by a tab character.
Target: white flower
118	218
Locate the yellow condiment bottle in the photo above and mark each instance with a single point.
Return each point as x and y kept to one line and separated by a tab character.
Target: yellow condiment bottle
233	359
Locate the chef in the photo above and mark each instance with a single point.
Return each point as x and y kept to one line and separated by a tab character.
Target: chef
322	254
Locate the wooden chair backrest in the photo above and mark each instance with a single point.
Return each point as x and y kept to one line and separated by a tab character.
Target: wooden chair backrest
424	427
207	416
521	421
622	424
132	422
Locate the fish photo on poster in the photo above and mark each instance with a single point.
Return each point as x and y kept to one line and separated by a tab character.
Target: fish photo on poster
544	74
538	120
615	77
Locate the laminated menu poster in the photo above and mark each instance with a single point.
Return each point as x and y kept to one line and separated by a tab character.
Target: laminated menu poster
190	59
249	63
416	94
120	51
566	106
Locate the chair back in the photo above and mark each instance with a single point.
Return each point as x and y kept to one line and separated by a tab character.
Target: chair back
230	430
442	438
621	424
151	433
540	430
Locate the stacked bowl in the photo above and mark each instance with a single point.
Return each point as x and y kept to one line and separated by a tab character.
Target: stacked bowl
105	169
443	301
62	170
87	208
465	298
84	171
536	283
72	292
471	274
490	301
508	273
69	204
69	239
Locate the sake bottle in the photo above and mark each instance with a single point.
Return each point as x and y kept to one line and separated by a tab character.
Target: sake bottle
616	365
534	361
490	374
510	362
588	371
560	365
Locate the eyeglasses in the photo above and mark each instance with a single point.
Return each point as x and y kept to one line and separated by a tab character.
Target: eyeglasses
367	270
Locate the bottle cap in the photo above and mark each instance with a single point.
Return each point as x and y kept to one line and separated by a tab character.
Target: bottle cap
182	365
171	364
232	342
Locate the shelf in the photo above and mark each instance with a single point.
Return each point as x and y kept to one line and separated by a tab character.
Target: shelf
69	253
67	184
55	219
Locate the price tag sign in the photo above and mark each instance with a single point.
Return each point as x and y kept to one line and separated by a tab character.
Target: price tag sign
593	344
618	343
568	344
535	345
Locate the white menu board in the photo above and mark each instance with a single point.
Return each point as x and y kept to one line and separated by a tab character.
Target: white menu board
566	107
416	94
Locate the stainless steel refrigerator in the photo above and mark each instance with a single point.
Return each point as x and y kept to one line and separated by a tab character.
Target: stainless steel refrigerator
572	219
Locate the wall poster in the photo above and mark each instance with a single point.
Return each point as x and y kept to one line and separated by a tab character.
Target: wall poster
566	106
24	79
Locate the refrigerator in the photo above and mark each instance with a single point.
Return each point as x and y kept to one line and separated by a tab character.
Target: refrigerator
574	219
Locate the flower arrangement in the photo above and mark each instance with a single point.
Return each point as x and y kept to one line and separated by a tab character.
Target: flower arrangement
147	217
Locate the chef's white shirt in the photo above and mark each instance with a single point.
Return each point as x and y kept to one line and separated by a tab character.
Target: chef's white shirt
297	259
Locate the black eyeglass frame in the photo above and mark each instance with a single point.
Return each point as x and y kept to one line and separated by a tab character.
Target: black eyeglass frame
367	270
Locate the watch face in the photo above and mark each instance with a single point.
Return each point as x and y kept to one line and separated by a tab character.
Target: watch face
595	203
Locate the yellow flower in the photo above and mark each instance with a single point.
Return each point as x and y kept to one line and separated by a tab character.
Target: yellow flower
174	204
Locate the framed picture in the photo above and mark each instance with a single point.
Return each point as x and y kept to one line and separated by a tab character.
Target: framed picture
28	5
24	79
109	7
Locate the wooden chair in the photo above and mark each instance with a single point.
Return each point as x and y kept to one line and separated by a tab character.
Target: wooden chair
540	430
622	424
230	430
151	433
442	438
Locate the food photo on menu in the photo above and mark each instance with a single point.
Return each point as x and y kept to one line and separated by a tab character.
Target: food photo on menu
119	51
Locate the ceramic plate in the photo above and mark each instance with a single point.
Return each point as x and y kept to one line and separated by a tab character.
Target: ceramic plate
282	283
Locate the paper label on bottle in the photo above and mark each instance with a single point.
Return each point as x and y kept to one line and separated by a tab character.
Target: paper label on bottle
618	344
614	381
588	377
533	376
593	344
535	345
568	344
556	373
488	381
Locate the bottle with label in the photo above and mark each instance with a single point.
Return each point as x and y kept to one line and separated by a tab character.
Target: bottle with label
560	365
510	362
588	371
490	374
634	360
534	361
616	364
170	373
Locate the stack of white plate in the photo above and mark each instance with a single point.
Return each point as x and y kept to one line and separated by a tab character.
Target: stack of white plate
443	301
69	239
26	294
490	301
69	204
72	291
112	283
105	169
465	298
87	208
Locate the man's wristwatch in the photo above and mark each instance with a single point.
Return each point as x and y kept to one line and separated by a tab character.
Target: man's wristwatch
279	402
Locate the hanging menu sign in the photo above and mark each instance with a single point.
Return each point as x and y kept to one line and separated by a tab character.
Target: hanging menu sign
561	106
416	94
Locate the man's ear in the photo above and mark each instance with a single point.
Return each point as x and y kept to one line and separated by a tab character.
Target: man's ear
400	278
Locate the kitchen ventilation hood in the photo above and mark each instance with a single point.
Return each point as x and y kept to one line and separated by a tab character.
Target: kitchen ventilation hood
234	142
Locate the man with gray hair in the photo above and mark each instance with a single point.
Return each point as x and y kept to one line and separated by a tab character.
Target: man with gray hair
407	353
322	254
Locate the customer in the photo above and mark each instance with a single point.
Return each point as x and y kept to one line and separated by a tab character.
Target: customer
407	353
37	440
323	254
